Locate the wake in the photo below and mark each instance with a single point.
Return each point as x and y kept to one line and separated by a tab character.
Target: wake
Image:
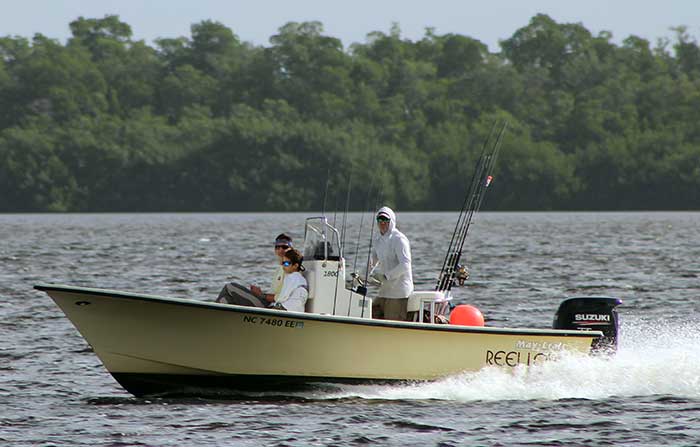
651	360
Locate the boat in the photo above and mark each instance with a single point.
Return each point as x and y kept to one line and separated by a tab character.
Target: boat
156	345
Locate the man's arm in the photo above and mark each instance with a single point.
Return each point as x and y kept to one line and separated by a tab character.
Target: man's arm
402	249
269	297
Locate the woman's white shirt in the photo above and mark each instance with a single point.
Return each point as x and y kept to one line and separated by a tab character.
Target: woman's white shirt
294	293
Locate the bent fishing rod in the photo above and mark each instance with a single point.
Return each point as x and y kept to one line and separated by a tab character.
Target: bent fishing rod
481	180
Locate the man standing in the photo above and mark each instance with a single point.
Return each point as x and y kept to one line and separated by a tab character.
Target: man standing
391	258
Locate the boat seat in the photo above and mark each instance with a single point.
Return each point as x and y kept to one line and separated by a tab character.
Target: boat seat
418	301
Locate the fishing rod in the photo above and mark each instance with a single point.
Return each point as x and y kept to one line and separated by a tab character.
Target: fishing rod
342	241
345	214
481	180
462	214
325	194
335	210
363	288
362	218
449	256
480	183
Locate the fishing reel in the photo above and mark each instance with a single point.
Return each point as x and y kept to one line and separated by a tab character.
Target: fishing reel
359	280
358	284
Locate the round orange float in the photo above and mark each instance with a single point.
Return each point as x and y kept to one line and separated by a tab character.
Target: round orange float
466	315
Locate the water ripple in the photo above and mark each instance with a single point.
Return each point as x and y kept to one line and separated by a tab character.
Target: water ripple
54	391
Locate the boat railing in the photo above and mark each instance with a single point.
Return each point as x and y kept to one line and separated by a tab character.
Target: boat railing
321	240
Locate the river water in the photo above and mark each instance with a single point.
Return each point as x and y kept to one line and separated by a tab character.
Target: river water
55	392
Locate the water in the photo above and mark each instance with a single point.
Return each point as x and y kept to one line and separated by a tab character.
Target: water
55	392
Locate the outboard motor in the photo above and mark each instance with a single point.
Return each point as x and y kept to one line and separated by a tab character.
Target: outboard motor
591	313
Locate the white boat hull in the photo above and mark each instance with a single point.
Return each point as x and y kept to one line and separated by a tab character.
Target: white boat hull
165	345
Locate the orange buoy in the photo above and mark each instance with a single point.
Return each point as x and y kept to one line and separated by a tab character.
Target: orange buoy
466	315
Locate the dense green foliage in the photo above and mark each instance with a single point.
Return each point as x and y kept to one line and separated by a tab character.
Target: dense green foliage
104	122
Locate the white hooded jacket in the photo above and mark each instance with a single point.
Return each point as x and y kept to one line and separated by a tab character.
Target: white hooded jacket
294	293
391	257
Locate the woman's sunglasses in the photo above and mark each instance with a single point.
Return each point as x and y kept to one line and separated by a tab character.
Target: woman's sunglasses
286	263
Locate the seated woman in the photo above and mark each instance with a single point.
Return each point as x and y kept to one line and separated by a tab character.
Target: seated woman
295	289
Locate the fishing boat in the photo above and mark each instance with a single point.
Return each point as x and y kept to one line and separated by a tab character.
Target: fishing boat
175	346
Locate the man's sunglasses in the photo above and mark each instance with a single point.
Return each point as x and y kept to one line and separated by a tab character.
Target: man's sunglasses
281	246
382	219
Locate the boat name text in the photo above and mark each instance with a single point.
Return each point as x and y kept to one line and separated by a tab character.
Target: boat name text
539	345
513	358
274	322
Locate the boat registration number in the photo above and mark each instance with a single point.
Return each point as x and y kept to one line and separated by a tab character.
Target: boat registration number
274	322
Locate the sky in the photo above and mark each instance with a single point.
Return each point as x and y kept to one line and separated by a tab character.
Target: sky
256	21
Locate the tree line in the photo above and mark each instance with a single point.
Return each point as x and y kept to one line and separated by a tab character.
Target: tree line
212	123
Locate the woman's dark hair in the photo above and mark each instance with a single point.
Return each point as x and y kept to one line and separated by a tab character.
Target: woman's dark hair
295	257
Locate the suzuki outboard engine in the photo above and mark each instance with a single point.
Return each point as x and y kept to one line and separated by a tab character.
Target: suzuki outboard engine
591	313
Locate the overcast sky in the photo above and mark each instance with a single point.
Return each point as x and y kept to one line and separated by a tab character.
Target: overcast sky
256	20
